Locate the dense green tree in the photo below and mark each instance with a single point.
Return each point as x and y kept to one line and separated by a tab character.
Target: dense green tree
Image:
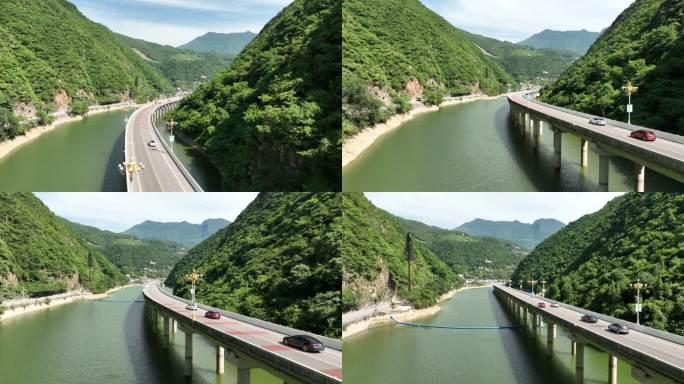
78	108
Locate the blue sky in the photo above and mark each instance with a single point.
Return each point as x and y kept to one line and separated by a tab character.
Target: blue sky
516	20
120	211
176	22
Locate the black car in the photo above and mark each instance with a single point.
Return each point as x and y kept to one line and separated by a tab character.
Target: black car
589	319
304	342
618	328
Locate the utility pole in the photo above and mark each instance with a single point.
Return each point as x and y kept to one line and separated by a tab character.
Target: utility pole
629	88
410	254
543	292
171	124
638	286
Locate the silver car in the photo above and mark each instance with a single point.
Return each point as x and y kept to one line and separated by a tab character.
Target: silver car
600	121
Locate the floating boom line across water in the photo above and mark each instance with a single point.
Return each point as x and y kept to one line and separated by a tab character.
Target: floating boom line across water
454	327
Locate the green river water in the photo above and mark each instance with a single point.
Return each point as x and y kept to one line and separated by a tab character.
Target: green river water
408	355
84	156
107	341
474	147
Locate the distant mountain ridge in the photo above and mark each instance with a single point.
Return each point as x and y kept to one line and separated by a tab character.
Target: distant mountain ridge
213	42
574	41
527	235
184	233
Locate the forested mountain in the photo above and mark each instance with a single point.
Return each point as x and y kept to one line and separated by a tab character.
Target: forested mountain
524	63
135	257
527	235
375	265
180	66
577	42
272	121
645	46
225	43
279	261
398	49
51	55
184	233
40	254
591	262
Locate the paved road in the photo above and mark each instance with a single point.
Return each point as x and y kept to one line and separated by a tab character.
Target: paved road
666	351
160	174
661	146
328	362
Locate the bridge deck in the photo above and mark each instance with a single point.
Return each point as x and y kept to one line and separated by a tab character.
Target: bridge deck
161	174
327	363
634	344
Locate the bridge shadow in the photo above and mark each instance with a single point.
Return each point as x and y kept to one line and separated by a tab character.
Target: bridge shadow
526	355
113	180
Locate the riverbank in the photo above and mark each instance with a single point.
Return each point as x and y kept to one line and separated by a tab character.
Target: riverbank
356	145
57	300
7	147
403	314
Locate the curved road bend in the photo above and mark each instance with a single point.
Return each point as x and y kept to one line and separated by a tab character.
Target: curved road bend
160	174
328	362
662	147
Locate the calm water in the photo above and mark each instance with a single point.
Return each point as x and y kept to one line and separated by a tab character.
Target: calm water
104	342
84	156
473	147
400	354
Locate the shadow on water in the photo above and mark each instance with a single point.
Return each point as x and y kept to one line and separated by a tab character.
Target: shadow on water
527	357
113	180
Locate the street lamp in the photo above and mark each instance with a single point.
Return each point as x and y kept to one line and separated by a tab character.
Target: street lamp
543	288
521	282
194	277
171	124
130	169
638	286
533	283
629	88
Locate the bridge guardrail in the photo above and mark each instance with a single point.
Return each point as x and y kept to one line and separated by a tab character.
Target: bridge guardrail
660	134
637	327
329	342
195	186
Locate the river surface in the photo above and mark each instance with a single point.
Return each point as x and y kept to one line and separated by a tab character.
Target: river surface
83	156
409	355
474	147
107	341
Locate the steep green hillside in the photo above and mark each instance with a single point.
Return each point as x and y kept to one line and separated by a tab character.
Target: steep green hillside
527	235
375	266
591	262
272	121
645	45
474	257
225	43
398	49
137	258
577	42
180	66
182	233
279	261
50	54
40	255
524	63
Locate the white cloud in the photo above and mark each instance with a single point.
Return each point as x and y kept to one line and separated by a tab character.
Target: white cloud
449	210
120	211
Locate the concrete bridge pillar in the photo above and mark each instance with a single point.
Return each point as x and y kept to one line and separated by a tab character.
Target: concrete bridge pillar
573	347
538	127
535	319
166	331
188	352
612	369
584	159
155	320
525	316
579	364
528	118
244	375
550	336
220	360
174	326
604	170
639	178
557	144
244	366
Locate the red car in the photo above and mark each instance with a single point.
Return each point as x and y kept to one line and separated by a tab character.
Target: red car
541	305
212	315
643	135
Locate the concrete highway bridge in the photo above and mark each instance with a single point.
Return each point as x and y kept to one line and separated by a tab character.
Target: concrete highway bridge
665	155
148	168
243	341
655	356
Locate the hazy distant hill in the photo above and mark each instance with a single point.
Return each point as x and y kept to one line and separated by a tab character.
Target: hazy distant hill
184	233
527	235
230	43
573	41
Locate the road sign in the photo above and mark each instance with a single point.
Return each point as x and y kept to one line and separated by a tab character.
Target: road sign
172	139
637	307
630	108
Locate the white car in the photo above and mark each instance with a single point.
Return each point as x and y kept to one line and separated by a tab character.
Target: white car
190	307
600	121
152	144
